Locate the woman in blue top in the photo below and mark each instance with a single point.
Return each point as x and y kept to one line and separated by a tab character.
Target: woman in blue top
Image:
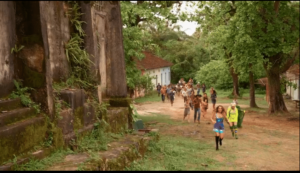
217	117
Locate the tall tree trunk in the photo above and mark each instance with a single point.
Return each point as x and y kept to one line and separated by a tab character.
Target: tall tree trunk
273	74
252	89
276	99
235	79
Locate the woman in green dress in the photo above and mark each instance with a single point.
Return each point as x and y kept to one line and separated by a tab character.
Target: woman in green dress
232	115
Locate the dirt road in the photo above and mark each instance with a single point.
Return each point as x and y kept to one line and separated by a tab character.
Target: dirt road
265	142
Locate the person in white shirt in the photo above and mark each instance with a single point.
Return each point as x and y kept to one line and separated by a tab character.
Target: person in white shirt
184	94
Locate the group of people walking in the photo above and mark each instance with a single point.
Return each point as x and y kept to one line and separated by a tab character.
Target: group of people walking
166	91
199	104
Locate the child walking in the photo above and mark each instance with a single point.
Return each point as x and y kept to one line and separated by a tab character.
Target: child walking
172	96
186	110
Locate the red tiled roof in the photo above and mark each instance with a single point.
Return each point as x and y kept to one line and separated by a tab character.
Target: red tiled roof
294	69
262	81
151	61
293	72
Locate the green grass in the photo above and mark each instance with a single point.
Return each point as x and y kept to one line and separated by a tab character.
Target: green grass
36	165
178	153
174	152
161	119
222	97
151	97
95	141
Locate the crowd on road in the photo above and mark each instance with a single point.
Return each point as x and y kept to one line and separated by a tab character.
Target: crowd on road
199	103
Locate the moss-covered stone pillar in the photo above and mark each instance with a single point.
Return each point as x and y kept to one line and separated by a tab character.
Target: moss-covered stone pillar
7	42
114	49
56	33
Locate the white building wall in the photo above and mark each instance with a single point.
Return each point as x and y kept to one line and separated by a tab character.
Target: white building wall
163	76
294	93
154	73
166	75
295	96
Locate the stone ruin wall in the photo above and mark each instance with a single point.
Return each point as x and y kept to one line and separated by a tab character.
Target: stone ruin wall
43	28
47	59
7	41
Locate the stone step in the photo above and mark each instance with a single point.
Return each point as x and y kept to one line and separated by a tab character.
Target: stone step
20	137
39	154
74	97
10	104
16	115
118	156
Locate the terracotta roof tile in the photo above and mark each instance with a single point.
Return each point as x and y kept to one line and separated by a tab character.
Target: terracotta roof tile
151	62
294	69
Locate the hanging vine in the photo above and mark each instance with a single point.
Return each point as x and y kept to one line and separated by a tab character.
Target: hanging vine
75	52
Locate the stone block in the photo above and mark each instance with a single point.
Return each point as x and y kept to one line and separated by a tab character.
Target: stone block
21	137
80	132
120	102
10	104
16	115
75	98
117	118
154	130
66	122
40	154
89	114
138	125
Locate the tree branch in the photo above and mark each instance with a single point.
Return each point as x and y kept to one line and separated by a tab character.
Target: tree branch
276	6
288	64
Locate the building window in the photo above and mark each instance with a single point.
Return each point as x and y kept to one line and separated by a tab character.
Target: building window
161	79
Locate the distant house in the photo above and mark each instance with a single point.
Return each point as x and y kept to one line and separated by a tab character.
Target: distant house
155	67
292	74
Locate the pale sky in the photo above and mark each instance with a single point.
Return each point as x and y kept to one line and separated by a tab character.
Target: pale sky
188	27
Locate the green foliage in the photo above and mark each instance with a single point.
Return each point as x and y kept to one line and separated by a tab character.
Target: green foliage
24	95
135	41
150	97
134	113
16	49
284	82
137	37
248	32
48	142
95	141
76	54
100	109
215	74
58	106
187	53
75	15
